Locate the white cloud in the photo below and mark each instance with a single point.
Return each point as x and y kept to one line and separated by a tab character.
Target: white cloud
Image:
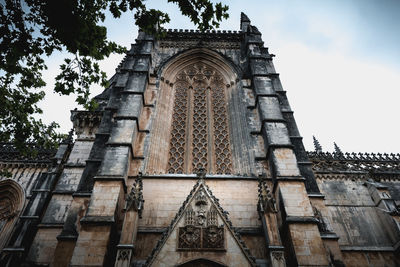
341	99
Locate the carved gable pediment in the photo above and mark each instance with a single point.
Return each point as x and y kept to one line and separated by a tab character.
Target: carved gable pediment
200	229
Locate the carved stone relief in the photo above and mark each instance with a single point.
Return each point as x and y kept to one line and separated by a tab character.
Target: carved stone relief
201	230
266	199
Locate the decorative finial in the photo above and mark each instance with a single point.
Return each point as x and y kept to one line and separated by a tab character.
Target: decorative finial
317	145
337	149
135	199
201	174
244	17
69	139
244	22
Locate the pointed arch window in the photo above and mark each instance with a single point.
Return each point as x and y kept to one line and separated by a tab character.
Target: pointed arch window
200	132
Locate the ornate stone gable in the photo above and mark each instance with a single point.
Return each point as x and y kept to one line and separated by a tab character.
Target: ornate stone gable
200	226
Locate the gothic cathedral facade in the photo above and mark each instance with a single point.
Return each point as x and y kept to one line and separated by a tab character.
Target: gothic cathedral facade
193	158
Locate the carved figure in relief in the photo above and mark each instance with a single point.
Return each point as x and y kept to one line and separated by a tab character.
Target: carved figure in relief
201	230
201	203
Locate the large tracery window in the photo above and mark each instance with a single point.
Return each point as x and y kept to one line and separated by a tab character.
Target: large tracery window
200	132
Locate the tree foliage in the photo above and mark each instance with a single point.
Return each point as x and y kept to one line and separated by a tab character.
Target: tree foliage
34	29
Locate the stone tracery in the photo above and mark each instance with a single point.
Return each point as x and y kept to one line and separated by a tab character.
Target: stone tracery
199	135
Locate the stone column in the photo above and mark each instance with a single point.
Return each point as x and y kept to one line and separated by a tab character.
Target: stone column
295	215
133	209
96	239
268	211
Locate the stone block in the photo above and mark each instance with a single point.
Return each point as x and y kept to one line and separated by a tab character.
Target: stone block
57	209
142	64
145	48
42	249
123	132
295	199
105	196
258	67
85	253
285	163
137	83
131	106
80	152
276	133
69	179
129	61
269	109
122	79
308	248
263	86
115	162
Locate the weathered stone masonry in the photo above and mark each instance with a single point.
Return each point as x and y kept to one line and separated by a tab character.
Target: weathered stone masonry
194	158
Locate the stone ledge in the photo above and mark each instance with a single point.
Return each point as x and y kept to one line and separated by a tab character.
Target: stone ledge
316	195
75	165
276	248
27	217
82	194
70	237
298	219
40	190
97	220
126	246
290	178
329	235
362	248
275	146
261	95
63	192
13	250
87	139
50	225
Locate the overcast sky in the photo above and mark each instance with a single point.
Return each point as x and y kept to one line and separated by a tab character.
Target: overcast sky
339	62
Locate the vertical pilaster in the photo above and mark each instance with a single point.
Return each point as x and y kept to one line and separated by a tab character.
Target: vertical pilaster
295	215
268	214
97	239
132	213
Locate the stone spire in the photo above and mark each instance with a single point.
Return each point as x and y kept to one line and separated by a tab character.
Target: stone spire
317	145
244	22
337	149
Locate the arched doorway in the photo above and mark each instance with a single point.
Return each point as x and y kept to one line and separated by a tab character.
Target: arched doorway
201	263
